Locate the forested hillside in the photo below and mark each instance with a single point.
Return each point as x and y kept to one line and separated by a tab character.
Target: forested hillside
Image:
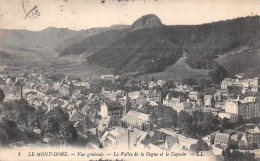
152	49
148	46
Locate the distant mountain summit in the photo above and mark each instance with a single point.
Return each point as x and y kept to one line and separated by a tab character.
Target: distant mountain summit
147	21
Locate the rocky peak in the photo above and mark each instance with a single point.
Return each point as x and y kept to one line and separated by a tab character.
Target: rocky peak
150	20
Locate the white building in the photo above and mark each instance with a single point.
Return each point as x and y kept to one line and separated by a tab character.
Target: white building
248	108
231	116
208	101
171	101
137	98
153	95
194	95
108	78
111	108
249	84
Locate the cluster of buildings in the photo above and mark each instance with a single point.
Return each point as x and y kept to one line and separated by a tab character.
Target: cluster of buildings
114	117
41	91
246	137
225	104
248	108
247	85
191	104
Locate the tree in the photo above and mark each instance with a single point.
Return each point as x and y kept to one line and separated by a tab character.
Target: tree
71	135
2	95
96	85
240	121
100	146
18	111
198	116
178	94
152	78
157	115
238	156
196	129
225	123
169	84
226	153
165	116
10	133
170	117
236	91
218	74
189	81
199	146
204	146
38	118
194	148
57	127
185	122
204	82
210	122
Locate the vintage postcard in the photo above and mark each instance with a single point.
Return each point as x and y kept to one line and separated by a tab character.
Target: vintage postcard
129	80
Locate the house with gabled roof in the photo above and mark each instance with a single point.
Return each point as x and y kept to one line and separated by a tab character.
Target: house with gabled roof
155	138
194	95
153	95
137	98
80	123
75	116
184	106
243	144
209	139
222	140
253	136
138	120
171	101
111	108
208	101
170	141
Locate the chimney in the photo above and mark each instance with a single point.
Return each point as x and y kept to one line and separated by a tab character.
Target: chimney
238	97
129	131
21	91
97	132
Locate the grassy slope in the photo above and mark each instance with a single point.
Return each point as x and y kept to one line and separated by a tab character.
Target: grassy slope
244	59
176	72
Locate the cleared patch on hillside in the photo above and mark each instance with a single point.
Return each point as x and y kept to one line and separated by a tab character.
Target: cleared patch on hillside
242	60
176	72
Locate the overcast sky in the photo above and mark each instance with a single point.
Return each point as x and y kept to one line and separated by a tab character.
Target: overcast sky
84	14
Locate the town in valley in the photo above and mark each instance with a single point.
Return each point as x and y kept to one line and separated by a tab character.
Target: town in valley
197	117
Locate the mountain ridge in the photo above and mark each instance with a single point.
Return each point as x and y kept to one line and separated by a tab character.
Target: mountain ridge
147	46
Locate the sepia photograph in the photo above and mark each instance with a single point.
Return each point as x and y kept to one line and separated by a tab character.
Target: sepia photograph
123	80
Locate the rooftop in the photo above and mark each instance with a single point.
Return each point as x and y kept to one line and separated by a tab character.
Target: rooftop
222	137
135	117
